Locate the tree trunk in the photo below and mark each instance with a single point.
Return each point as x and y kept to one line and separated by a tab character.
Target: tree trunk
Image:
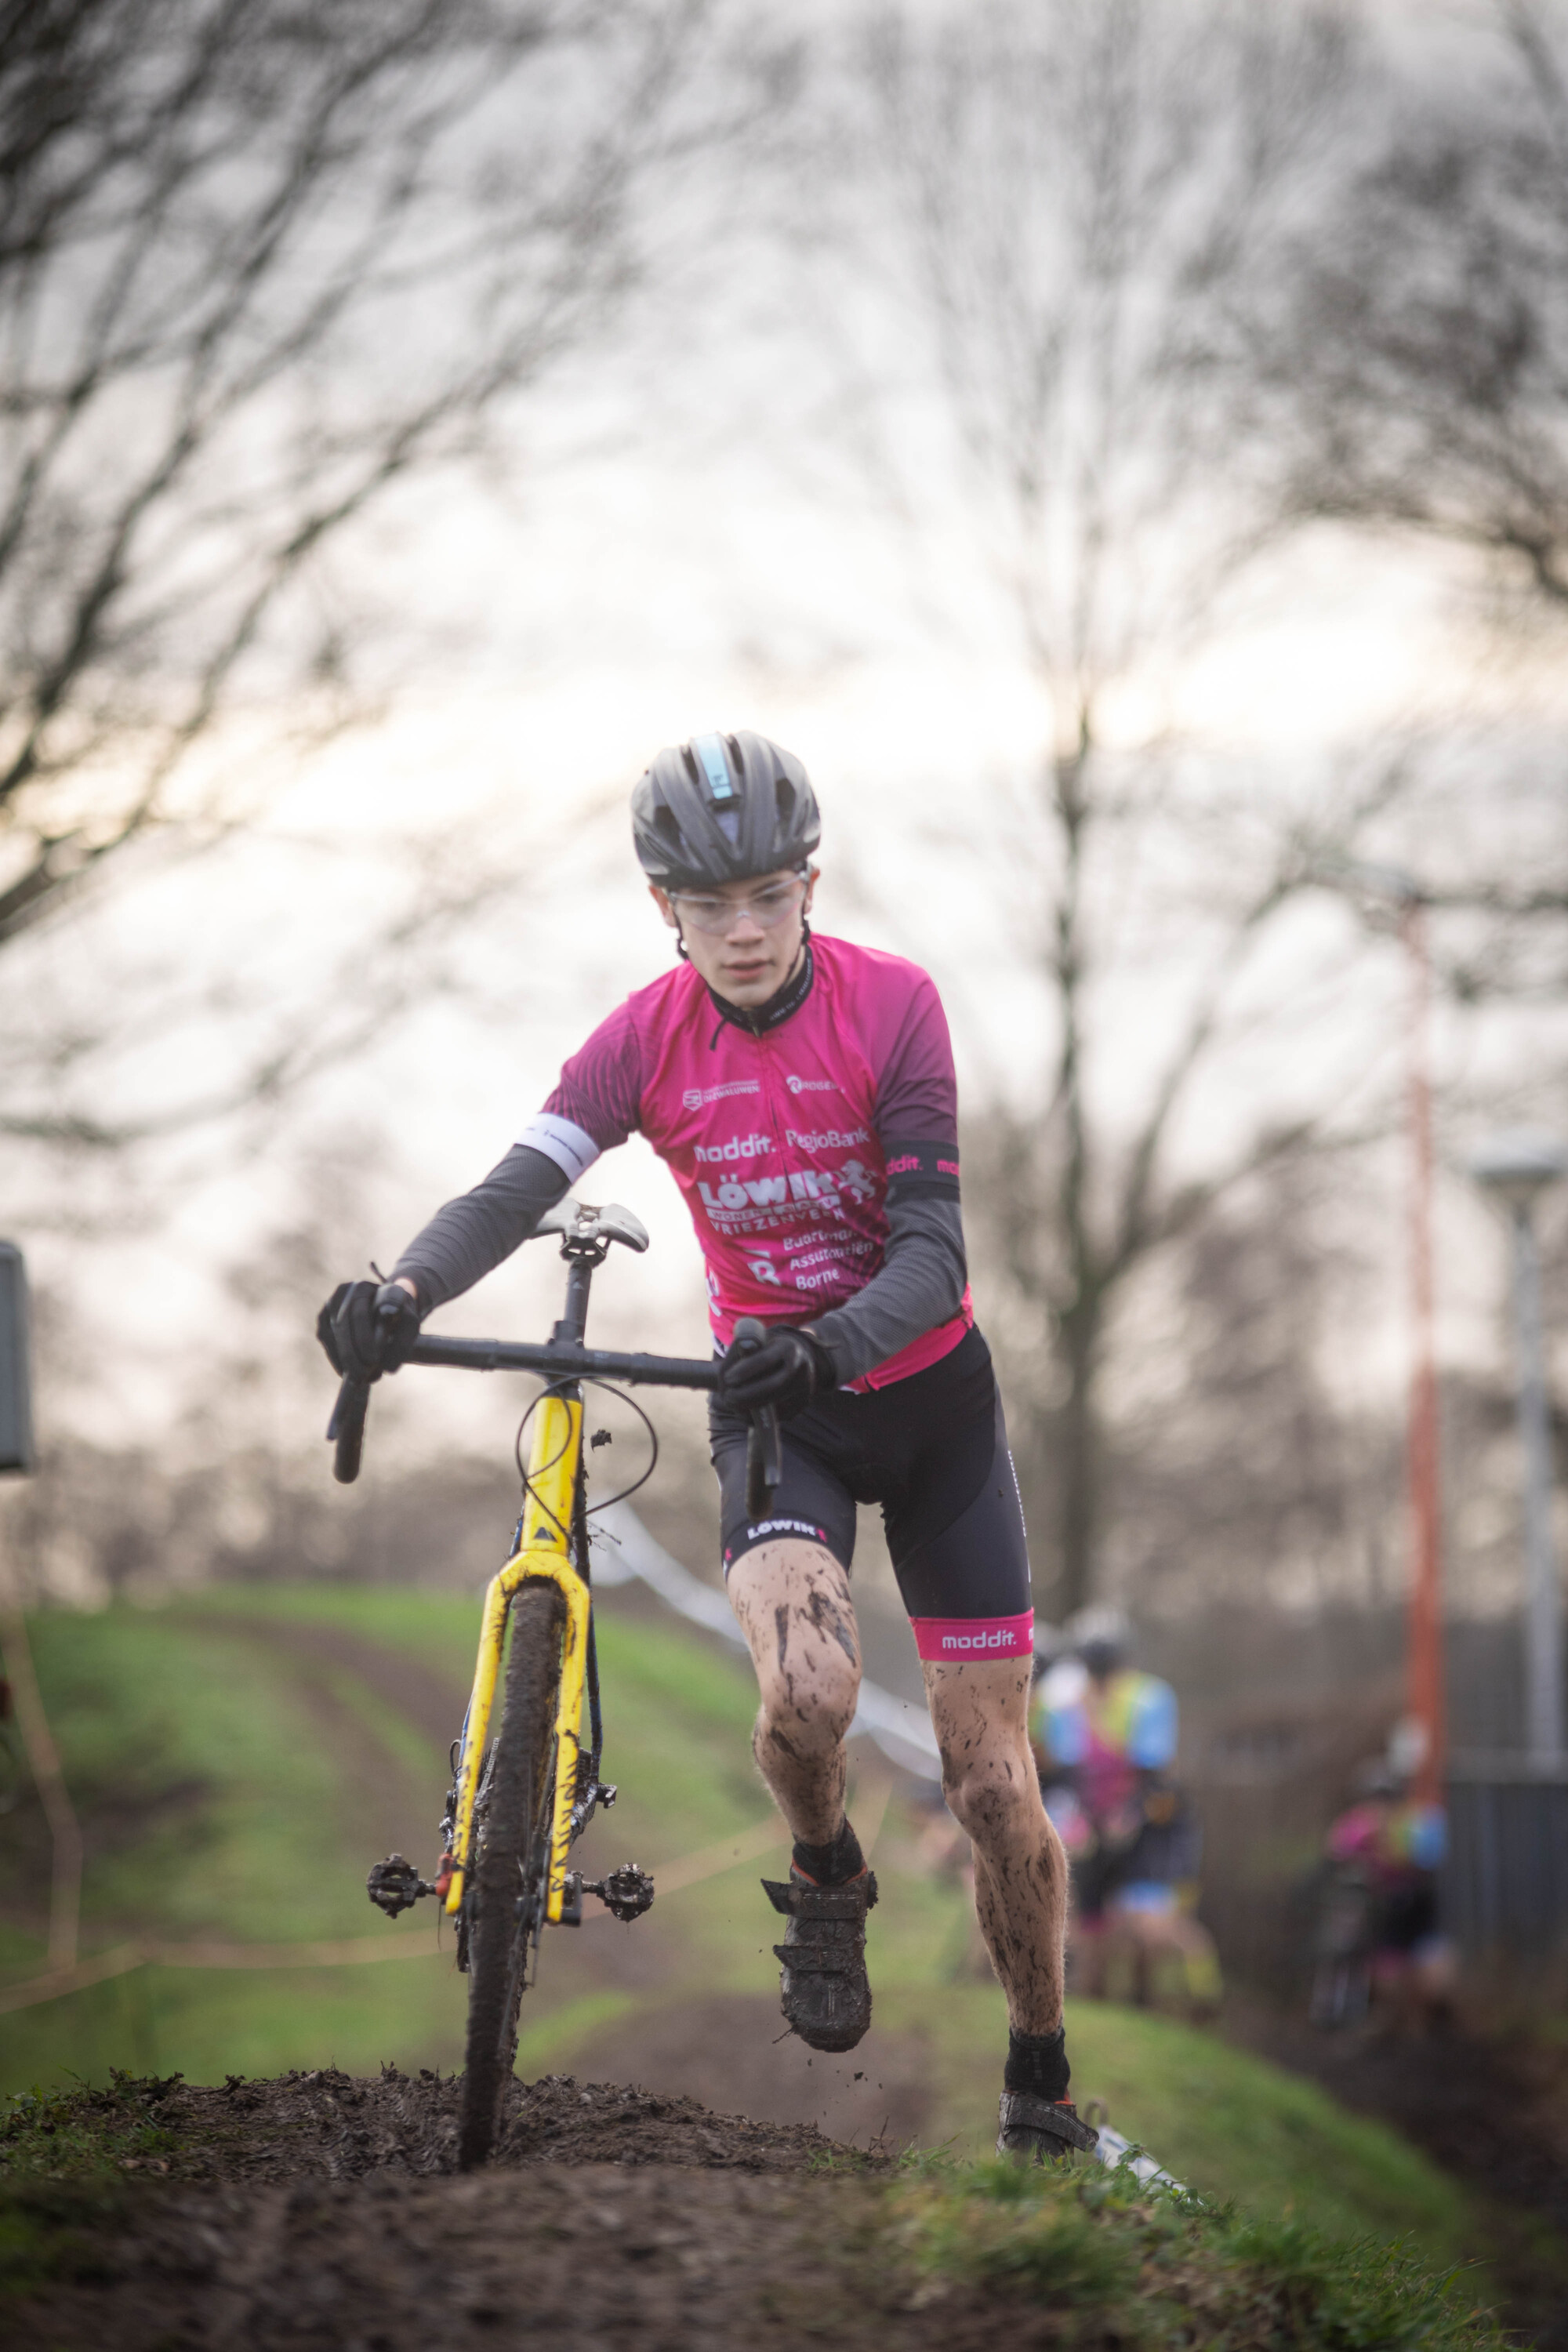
1079	1464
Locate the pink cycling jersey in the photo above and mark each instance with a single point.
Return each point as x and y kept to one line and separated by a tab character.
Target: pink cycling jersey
778	1141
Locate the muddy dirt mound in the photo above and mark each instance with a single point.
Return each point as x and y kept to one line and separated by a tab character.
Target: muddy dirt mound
321	2214
657	2256
325	2213
330	2125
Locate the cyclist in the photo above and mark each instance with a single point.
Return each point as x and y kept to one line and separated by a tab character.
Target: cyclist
1389	1848
1106	1746
801	1090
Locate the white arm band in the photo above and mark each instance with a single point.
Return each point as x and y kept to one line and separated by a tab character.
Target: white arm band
573	1148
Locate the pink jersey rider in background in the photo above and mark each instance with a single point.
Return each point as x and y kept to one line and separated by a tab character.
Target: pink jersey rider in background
801	1091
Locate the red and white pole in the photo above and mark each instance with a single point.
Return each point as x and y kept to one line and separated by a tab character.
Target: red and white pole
1427	1696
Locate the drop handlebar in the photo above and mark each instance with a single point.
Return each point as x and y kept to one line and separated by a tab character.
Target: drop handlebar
565	1359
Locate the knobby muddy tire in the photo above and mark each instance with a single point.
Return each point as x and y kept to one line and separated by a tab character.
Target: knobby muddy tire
516	1821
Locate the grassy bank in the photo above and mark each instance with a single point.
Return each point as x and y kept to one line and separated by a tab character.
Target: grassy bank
233	1788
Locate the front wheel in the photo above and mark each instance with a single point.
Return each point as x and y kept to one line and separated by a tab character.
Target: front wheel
507	1885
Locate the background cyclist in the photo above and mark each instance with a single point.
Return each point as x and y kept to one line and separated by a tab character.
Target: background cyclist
1105	1741
801	1090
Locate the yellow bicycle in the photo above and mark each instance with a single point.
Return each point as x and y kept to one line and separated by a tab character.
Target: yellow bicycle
524	1793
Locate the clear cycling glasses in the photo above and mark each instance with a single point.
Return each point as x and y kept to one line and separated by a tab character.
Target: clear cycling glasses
716	916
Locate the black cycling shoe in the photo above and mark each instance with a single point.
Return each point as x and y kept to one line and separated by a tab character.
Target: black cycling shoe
1038	2131
824	1991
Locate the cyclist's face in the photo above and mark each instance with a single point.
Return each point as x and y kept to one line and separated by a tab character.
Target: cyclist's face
745	938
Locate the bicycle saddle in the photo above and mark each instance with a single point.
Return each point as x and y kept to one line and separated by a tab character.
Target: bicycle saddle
574	1220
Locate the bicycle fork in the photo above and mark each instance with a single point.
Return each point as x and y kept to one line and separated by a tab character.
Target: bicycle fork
543	1553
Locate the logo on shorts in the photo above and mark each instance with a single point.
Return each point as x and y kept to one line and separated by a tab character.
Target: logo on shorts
1001	1639
757	1530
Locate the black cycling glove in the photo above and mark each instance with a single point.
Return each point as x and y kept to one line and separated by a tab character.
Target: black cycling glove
787	1371
367	1329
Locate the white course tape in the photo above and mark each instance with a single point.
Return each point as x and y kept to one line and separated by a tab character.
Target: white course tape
1115	2150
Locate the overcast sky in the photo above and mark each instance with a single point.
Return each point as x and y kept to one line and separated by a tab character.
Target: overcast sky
667	551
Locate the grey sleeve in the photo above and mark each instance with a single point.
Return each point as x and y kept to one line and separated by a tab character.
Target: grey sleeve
475	1231
920	1284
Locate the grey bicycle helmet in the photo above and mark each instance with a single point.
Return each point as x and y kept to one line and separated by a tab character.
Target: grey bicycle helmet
1102	1637
723	808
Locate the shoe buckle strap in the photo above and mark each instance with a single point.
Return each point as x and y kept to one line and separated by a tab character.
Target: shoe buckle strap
819	1959
1024	2111
796	1900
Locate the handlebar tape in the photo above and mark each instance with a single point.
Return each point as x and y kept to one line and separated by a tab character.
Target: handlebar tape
764	1463
347	1426
765	1446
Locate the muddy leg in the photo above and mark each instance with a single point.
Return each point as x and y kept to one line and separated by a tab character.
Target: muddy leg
980	1716
792	1601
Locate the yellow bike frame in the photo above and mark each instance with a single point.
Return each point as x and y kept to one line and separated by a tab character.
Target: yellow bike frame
545	1551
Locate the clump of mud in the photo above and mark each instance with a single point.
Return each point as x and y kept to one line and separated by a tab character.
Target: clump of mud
330	2125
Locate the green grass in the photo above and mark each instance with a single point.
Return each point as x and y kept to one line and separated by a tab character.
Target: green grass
1142	2267
221	1811
1226	2124
214	1809
63	2157
200	1778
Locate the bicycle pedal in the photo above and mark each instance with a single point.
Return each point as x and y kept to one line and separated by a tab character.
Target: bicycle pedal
626	1893
394	1885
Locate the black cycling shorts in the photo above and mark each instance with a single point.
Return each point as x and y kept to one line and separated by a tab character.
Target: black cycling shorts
932	1450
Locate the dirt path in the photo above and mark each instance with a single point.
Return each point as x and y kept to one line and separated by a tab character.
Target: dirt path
729	2050
384	1806
391	1808
432	1702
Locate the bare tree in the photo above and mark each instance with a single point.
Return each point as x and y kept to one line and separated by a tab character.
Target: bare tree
1425	342
1079	217
258	267
1076	205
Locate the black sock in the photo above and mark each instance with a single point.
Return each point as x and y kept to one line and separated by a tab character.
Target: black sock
831	1866
1037	2062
